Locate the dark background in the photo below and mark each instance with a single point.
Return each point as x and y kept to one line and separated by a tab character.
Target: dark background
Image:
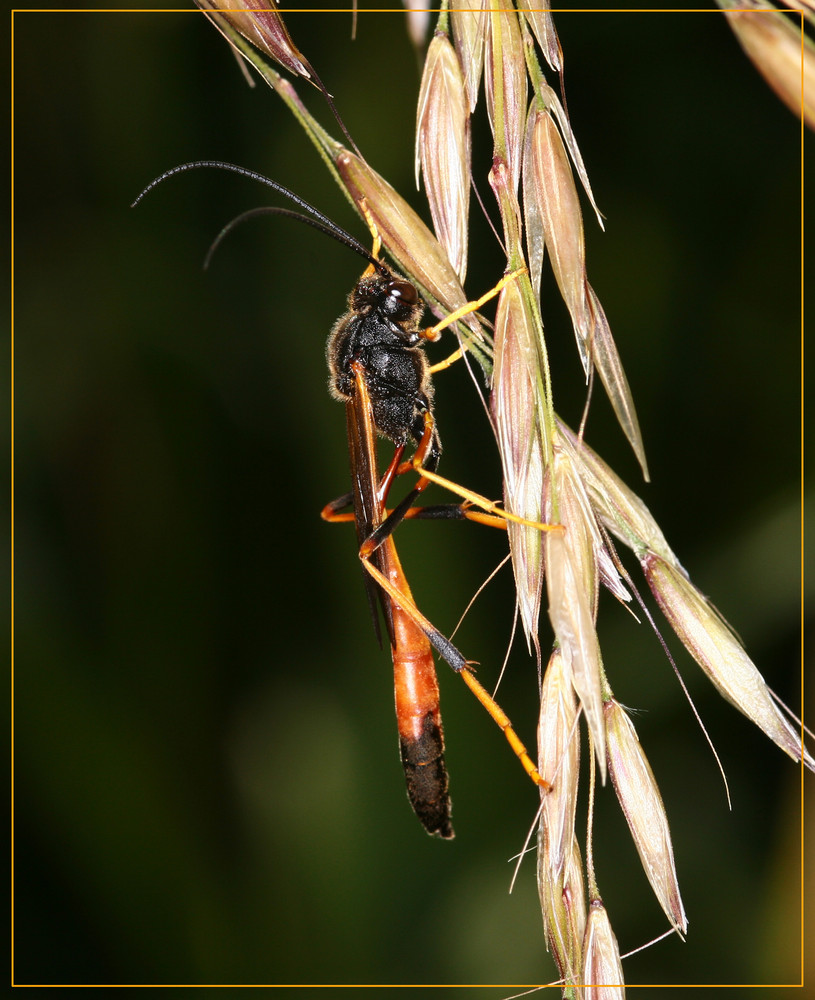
207	780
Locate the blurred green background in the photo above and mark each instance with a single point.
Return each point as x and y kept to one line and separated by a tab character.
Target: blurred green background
208	787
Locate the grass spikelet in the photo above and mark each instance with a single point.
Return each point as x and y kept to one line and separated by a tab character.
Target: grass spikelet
711	643
703	632
602	974
515	397
570	582
616	505
563	906
609	367
407	238
443	148
539	17
262	24
559	758
644	811
547	99
505	83
521	404
533	215
551	194
778	50
469	21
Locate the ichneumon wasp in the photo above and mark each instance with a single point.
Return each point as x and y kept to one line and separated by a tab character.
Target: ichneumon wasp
379	370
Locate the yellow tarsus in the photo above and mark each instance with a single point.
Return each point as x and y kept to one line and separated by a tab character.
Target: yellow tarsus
502	720
471	307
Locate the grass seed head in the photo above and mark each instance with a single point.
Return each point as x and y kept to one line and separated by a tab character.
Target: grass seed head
774	43
533	216
644	811
559	762
570	585
711	643
539	18
551	102
515	415
616	505
705	635
469	21
607	361
550	474
505	84
602	969
443	148
261	23
563	907
550	195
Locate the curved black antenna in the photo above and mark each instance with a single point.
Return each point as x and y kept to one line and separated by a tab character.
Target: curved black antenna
334	232
324	224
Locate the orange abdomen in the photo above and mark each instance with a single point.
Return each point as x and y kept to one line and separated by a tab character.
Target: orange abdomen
418	719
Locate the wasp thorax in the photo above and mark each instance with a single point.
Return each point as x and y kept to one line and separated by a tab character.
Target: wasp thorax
378	343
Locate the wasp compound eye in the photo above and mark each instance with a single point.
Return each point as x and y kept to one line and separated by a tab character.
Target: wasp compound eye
405	291
401	301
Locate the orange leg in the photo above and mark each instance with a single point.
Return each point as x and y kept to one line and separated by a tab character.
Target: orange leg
413	636
394	583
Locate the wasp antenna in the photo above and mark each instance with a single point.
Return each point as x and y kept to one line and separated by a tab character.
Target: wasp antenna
333	231
323	223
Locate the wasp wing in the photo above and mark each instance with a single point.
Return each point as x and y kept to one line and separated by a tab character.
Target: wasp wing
368	508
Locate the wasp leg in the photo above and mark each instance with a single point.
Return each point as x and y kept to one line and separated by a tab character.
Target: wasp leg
395	585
